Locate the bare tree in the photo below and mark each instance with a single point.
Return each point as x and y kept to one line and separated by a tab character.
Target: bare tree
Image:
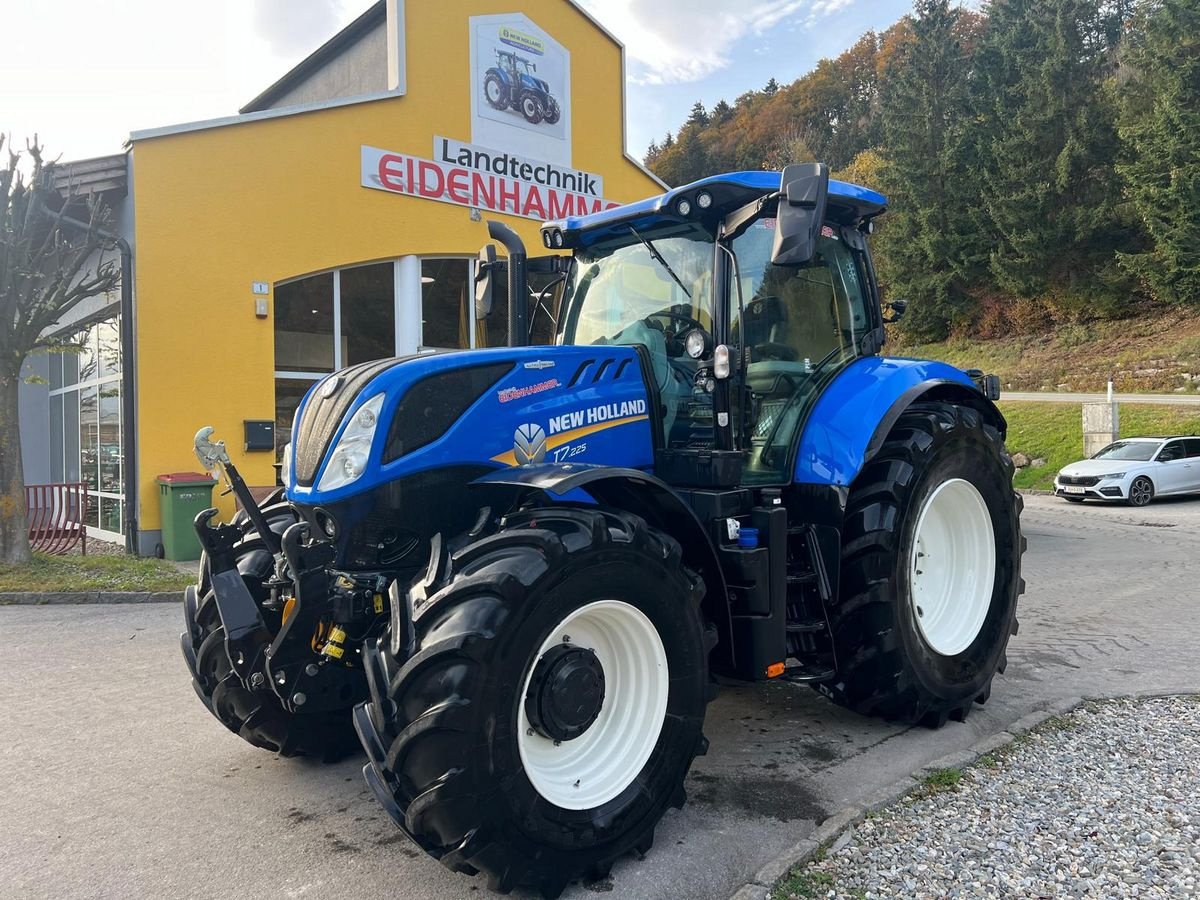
50	261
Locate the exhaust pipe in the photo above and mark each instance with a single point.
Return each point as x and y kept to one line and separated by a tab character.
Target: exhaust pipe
518	281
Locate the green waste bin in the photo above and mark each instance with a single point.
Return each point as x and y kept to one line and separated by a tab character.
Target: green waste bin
182	495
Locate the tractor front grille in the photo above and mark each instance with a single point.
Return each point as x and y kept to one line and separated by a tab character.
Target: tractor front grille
323	414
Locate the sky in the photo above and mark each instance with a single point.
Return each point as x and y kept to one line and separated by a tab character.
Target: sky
83	74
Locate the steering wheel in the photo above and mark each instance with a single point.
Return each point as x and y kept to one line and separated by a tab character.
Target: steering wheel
674	345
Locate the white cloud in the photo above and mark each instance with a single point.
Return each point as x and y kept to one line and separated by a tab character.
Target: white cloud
673	41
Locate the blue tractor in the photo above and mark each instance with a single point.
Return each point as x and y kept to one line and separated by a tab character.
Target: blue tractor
517	571
513	83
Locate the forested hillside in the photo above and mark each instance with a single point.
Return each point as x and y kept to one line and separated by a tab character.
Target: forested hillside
1041	157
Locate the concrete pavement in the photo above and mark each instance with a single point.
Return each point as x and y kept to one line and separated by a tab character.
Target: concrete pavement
118	783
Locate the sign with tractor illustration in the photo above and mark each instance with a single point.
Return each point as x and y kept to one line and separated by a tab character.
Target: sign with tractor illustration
520	88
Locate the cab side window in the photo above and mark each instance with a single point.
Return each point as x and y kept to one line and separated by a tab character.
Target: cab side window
1192	445
1172	451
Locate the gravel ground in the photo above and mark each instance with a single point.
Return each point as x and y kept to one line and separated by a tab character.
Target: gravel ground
1103	802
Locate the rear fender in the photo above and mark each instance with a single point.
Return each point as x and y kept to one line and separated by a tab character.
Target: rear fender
643	495
854	415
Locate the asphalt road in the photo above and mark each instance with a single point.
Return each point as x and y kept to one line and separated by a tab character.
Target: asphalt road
1053	397
116	782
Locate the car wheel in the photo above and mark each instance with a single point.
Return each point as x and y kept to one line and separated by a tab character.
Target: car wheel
1141	492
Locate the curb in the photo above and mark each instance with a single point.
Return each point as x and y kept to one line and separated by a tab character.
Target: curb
841	824
87	598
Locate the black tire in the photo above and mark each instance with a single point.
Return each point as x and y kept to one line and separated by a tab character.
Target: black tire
442	729
886	667
255	716
530	107
1141	491
493	84
553	112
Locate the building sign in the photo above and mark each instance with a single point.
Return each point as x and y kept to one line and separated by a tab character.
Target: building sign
484	179
520	88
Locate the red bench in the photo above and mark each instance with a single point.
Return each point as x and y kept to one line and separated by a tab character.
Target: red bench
55	513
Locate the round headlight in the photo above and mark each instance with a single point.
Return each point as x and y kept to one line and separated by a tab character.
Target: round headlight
695	343
685	207
366	418
558	239
704	200
546	239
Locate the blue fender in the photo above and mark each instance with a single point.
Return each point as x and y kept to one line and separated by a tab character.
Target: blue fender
504	77
853	416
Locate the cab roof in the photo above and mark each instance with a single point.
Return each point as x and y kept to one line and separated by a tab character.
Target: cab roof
848	201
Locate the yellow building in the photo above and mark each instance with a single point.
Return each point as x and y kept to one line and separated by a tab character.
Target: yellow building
336	219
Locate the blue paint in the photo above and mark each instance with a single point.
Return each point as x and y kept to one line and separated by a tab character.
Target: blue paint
533	395
757	181
834	443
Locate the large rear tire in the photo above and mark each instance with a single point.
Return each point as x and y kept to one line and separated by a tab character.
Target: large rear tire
931	570
255	716
554	702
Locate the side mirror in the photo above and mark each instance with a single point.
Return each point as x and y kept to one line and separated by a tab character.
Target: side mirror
803	190
484	281
897	308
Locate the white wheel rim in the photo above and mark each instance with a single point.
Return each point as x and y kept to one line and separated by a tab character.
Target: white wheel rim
493	90
952	567
603	761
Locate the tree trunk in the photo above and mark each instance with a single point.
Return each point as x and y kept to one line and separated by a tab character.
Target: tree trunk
14	525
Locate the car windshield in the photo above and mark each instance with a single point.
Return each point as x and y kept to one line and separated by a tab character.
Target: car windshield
1142	451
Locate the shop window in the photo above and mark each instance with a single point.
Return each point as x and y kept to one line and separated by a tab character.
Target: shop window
108	450
70	448
89	438
108	347
368	313
445	313
56	370
86	358
56	429
304	325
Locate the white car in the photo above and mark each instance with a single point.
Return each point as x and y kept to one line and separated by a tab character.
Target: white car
1135	470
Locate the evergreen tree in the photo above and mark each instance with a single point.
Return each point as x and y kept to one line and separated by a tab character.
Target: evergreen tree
772	88
1051	198
1160	127
721	113
698	117
927	248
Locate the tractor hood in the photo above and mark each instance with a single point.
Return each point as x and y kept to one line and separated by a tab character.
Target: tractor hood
373	424
534	84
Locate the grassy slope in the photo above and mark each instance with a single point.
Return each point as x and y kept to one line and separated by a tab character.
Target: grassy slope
1149	354
1054	431
92	573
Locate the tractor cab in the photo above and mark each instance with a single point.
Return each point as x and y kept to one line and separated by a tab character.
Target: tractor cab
745	294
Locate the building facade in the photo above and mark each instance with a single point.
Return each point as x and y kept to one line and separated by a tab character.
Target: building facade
337	217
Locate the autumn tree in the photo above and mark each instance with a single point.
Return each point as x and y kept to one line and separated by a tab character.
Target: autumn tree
1160	127
48	265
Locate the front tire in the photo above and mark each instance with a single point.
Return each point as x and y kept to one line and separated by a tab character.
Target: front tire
1141	491
531	107
554	702
931	570
495	92
553	112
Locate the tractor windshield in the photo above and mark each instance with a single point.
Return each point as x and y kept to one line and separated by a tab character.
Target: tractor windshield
650	287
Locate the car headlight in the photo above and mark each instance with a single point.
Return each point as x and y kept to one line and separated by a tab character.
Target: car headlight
1114	475
348	460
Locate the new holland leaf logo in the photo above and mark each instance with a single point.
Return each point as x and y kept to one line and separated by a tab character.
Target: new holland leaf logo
529	445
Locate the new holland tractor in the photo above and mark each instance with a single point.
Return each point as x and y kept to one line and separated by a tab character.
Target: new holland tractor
518	571
513	82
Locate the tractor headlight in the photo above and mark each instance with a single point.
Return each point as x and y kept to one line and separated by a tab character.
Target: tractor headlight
348	460
721	362
695	344
704	199
684	207
285	462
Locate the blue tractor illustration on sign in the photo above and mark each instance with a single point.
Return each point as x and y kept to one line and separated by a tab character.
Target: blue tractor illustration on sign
513	83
